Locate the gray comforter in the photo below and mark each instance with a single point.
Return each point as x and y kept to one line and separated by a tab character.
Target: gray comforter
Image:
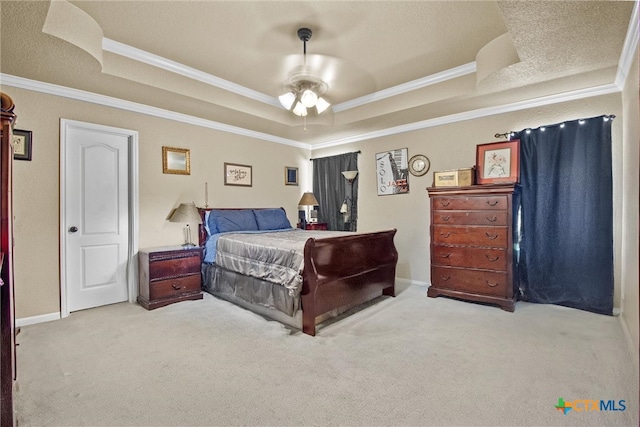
276	257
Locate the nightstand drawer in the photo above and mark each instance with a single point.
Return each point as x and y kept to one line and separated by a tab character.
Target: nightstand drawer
168	275
174	287
172	267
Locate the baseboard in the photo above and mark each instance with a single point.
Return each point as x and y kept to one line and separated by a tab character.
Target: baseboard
630	344
411	282
25	321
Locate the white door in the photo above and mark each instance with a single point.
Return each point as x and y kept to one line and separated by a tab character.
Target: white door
95	220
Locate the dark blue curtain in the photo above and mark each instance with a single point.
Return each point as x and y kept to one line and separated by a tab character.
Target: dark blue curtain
566	252
331	189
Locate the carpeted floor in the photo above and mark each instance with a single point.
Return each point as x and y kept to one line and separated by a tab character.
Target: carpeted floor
409	360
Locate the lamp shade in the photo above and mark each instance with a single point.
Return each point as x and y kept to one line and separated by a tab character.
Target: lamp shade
350	175
308	199
186	212
287	100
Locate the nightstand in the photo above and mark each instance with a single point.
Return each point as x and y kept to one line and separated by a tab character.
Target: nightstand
316	226
168	275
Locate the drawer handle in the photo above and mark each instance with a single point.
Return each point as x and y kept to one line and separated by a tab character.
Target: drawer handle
446	255
445	235
489	284
492	237
494	219
445	204
444	279
492	259
176	287
492	202
446	218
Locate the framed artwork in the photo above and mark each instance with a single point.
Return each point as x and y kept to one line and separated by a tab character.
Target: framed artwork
290	175
392	172
235	174
21	144
498	162
176	161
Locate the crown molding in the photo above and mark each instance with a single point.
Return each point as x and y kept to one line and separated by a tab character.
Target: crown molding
183	70
148	58
475	114
449	74
51	89
628	49
108	101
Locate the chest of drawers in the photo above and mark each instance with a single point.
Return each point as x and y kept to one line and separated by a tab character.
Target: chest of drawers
472	243
168	275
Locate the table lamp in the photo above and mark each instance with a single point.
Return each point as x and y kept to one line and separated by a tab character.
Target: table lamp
187	213
307	199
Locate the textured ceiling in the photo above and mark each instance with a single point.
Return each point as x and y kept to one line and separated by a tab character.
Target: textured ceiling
387	63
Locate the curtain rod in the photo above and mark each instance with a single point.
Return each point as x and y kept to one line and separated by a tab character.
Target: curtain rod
353	152
509	133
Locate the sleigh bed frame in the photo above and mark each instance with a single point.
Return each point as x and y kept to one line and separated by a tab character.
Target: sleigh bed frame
340	273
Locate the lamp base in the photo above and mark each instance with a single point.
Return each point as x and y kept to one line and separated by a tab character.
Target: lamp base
189	245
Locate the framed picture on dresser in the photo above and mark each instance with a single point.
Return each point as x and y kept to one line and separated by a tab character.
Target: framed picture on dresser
498	162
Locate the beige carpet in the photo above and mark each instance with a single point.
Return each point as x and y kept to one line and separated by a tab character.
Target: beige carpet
409	360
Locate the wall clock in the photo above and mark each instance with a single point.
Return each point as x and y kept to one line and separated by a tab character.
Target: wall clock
419	165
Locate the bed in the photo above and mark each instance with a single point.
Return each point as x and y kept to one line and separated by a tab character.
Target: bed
254	258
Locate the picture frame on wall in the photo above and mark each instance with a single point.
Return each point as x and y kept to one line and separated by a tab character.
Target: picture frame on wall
239	175
21	144
392	172
498	162
176	161
290	175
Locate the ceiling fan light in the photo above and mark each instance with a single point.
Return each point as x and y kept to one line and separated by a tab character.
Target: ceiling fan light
322	105
287	100
300	110
309	98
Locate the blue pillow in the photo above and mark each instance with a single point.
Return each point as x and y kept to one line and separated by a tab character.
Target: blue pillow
271	219
227	220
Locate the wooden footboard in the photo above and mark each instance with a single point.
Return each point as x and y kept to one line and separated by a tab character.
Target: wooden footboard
339	271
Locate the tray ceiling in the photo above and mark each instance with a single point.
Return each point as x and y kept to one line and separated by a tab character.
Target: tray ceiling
390	66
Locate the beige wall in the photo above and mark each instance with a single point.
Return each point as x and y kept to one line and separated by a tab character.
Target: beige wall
36	190
36	184
631	189
454	146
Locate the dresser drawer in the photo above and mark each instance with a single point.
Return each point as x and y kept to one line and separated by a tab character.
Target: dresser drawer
494	237
470	217
490	259
174	287
474	203
160	268
472	281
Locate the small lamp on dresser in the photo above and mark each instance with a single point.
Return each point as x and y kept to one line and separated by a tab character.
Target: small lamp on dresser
187	213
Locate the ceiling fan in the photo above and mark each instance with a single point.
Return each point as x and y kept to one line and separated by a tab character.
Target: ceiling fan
303	90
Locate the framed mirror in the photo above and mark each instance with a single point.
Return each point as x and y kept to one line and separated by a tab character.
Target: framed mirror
176	161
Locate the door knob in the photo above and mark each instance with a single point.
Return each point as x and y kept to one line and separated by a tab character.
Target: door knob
73	229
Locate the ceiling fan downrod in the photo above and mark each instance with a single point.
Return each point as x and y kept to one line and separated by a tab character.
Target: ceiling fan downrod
304	34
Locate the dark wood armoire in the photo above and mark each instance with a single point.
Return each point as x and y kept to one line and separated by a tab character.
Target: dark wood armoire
7	316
